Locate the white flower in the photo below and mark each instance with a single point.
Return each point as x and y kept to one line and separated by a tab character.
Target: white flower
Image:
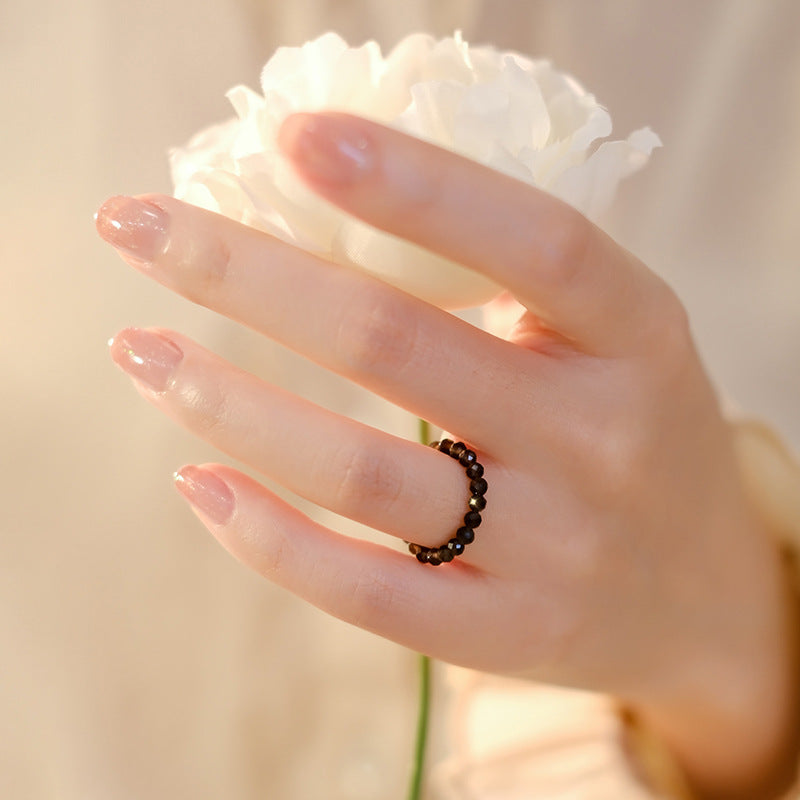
520	117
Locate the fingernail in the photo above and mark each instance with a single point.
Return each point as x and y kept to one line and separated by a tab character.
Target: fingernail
326	148
146	356
206	492
133	226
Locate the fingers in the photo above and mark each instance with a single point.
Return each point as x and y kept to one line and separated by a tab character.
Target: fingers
359	472
417	356
556	263
375	588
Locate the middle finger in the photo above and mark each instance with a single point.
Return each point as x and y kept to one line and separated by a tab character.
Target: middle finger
417	356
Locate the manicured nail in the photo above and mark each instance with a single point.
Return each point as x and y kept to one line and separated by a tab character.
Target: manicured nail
135	227
148	357
207	492
326	148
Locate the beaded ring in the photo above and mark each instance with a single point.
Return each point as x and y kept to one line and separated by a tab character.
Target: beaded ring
472	519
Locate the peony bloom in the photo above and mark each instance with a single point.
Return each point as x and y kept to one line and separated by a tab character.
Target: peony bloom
520	117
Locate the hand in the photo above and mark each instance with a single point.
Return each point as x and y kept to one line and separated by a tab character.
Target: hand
617	552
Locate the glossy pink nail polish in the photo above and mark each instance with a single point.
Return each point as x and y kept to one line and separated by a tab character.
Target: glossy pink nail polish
207	492
147	357
135	227
327	148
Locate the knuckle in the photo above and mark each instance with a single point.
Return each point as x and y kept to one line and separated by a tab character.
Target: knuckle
272	562
373	598
623	456
675	337
367	480
375	333
559	247
204	268
205	410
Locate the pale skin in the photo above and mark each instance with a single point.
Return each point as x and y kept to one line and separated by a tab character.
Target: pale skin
617	552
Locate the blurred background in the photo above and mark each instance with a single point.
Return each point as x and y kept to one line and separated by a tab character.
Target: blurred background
137	658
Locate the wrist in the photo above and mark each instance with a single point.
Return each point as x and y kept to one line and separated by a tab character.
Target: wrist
731	714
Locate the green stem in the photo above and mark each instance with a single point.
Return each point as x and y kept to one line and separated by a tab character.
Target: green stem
423	714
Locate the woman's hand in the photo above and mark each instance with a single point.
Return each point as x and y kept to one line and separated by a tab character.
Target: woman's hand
617	552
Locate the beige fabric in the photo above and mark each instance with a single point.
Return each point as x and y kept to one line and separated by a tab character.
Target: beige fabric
138	660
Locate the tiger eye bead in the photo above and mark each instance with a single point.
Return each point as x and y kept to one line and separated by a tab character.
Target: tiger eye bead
414	549
467	458
445	554
422	556
475	471
455	547
457	449
477	502
433	558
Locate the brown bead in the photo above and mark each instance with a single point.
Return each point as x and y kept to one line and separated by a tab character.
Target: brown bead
457	449
445	555
455	547
467	458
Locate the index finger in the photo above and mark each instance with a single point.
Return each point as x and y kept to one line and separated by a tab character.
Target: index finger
563	268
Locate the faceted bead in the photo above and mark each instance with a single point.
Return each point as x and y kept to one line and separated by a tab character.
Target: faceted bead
478	486
472	519
477	502
467	457
422	556
475	470
445	555
414	548
433	558
465	535
455	547
457	449
445	445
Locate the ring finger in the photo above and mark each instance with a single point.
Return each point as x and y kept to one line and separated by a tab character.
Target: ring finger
396	486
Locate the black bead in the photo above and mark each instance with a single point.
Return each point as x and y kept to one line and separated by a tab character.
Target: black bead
467	457
457	449
465	535
472	519
455	547
478	486
477	502
475	470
